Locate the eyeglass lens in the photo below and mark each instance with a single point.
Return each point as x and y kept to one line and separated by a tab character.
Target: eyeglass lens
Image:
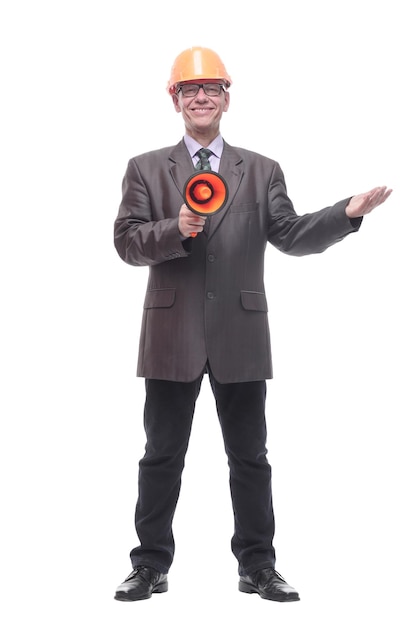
210	89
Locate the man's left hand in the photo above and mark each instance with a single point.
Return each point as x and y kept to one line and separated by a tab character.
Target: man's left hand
366	202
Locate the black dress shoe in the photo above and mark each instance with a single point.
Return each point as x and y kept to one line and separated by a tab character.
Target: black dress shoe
269	585
141	584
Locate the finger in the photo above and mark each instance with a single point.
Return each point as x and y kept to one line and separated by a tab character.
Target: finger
375	197
381	196
377	192
200	221
196	225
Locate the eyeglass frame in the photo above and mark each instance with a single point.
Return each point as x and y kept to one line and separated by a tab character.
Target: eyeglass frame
201	86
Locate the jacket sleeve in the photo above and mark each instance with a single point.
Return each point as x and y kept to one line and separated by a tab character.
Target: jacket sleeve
139	238
310	233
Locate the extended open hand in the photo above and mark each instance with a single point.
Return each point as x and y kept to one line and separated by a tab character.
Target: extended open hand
366	202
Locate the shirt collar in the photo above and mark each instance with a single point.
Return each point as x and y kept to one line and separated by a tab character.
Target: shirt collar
193	146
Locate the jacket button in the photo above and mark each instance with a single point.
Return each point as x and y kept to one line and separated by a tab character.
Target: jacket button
211	258
210	295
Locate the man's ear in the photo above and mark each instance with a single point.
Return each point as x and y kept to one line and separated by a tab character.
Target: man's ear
226	101
176	104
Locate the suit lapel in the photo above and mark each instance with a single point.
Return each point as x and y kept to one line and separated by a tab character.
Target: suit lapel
232	171
181	166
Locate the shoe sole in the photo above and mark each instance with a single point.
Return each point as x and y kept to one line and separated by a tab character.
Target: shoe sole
161	588
285	597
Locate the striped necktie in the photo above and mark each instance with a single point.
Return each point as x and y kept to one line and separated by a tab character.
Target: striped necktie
203	163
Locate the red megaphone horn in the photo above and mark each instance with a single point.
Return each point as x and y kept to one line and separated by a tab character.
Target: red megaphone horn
205	193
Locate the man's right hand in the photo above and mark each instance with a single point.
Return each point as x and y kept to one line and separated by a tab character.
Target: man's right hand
189	222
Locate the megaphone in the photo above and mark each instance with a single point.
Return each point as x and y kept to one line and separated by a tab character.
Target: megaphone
205	193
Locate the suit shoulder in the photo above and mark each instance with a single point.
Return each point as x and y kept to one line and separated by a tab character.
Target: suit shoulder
153	155
251	155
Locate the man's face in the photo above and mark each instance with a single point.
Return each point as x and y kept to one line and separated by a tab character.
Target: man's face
201	112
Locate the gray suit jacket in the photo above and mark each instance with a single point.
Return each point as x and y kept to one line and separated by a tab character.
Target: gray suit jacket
205	298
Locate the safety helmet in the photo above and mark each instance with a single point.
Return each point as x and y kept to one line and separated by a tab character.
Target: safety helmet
195	64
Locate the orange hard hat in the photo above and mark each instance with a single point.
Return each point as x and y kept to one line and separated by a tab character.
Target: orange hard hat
195	64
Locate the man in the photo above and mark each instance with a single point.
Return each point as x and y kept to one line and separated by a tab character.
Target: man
205	311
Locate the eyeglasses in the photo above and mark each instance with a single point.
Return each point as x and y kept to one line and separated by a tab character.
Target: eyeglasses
189	90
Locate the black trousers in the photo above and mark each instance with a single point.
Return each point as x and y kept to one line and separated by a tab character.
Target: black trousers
168	415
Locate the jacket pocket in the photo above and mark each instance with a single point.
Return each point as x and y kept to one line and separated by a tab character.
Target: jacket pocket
254	301
159	298
247	207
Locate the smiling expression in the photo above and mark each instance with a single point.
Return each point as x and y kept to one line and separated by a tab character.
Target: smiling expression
202	113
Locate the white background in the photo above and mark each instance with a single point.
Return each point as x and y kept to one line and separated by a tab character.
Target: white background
327	88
